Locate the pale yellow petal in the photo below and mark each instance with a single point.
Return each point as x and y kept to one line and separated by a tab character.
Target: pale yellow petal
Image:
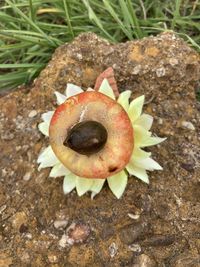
123	99
90	90
47	116
117	183
83	185
140	136
47	158
152	141
147	164
44	128
145	120
137	172
59	170
72	90
96	187
106	89
69	183
139	153
135	108
60	98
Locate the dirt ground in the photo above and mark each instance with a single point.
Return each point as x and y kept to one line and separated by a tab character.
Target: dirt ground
151	225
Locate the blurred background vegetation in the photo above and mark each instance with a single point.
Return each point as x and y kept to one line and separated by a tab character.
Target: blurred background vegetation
30	30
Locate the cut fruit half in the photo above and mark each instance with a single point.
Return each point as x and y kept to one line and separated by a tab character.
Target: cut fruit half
92	135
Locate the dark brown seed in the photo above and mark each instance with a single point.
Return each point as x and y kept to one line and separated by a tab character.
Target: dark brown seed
87	137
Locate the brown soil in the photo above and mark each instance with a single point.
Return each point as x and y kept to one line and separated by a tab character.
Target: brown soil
151	225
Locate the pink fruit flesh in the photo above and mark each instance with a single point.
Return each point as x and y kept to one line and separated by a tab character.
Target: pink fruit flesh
94	106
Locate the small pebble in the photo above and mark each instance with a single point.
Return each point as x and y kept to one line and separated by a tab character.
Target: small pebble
160	72
188	125
27	176
52	258
77	233
130	233
25	257
136	70
160	121
173	61
2	208
135	248
32	114
144	261
79	56
134	216
188	166
60	224
4	172
28	235
23	228
63	241
18	148
7	136
113	249
18	219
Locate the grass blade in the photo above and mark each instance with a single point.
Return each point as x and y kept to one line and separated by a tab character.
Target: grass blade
68	18
134	19
24	65
116	18
93	17
30	22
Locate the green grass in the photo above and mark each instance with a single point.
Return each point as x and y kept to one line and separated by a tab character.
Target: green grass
30	30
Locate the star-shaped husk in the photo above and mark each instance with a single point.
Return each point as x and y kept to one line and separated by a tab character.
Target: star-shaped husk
140	161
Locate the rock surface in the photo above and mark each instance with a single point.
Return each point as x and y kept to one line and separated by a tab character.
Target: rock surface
166	70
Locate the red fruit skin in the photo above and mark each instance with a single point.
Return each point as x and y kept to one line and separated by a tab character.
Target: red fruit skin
109	75
98	107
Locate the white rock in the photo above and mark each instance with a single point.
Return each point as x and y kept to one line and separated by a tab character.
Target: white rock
135	248
28	235
4	172
188	125
160	121
27	176
2	208
113	249
136	70
173	61
52	258
160	72
18	148
134	216
60	224
79	56
63	241
32	114
144	261
25	257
